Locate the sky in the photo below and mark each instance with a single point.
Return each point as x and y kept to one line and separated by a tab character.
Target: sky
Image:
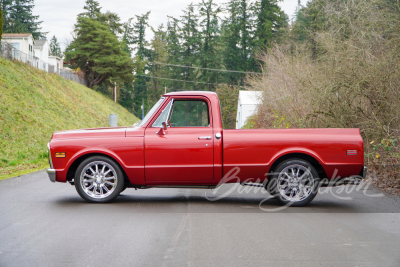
59	17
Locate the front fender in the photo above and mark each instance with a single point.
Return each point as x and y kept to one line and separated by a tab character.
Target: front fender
126	151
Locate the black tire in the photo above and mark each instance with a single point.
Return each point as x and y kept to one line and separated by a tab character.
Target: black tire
295	183
99	179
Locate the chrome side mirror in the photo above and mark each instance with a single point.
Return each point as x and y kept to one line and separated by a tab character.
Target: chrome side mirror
162	129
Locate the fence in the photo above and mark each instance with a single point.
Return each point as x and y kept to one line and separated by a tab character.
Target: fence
8	52
73	77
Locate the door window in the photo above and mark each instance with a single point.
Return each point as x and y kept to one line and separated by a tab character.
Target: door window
189	113
184	113
163	116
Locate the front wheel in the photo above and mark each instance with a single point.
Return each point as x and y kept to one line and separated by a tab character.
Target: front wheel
99	179
295	183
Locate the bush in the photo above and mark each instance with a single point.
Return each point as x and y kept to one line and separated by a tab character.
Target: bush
352	81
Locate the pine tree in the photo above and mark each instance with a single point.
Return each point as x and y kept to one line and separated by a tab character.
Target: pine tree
309	20
190	45
237	36
209	54
1	21
18	18
159	54
141	57
113	21
127	35
271	21
93	10
55	49
174	52
99	53
5	7
246	25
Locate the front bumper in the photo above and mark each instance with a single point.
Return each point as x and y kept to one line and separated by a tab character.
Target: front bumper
52	174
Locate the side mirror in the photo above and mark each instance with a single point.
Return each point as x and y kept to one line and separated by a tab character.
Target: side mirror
163	128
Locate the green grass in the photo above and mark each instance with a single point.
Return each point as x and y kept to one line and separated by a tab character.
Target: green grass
34	104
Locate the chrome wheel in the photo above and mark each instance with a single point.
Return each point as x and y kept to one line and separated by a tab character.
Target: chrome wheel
98	179
295	183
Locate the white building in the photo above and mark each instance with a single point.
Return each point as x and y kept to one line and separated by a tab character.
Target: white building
21	42
41	49
56	64
247	104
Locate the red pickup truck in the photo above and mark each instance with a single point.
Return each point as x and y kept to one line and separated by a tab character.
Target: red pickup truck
181	143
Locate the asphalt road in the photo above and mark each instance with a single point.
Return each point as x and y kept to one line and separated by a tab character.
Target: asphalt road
47	224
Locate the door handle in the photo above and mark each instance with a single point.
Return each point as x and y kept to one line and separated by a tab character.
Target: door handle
204	137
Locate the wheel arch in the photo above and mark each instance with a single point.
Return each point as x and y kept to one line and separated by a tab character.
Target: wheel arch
303	156
74	166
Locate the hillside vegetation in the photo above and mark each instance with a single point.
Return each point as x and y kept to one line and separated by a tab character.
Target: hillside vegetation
34	104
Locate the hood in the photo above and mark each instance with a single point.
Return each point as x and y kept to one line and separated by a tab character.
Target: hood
91	133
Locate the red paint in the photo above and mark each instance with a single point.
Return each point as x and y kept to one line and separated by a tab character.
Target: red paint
178	157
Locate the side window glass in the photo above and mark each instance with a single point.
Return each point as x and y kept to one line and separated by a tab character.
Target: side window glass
163	116
189	113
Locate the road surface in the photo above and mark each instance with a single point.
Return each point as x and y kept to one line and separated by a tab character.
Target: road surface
48	224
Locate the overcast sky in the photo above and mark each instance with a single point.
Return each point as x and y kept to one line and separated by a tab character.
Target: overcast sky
59	16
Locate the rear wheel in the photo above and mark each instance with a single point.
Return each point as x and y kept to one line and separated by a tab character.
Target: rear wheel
295	182
99	179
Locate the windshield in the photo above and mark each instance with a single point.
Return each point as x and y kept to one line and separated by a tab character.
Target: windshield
151	112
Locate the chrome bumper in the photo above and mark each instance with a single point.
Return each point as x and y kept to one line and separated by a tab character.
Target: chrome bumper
52	174
363	172
356	180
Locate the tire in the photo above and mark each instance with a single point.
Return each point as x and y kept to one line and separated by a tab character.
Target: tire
295	183
99	179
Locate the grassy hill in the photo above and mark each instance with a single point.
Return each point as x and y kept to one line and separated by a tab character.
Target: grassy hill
34	104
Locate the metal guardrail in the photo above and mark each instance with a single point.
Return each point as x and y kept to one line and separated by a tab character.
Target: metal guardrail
8	52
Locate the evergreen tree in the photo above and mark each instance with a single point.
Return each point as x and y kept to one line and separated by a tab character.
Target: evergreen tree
126	95
99	53
5	7
93	10
55	49
159	54
190	45
308	21
246	25
113	21
271	23
174	52
237	36
127	35
141	57
1	21
209	54
18	18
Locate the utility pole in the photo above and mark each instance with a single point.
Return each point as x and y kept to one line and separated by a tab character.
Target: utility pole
142	107
115	92
165	89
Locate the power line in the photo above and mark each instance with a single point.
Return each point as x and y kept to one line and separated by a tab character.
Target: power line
174	79
169	79
182	66
180	90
